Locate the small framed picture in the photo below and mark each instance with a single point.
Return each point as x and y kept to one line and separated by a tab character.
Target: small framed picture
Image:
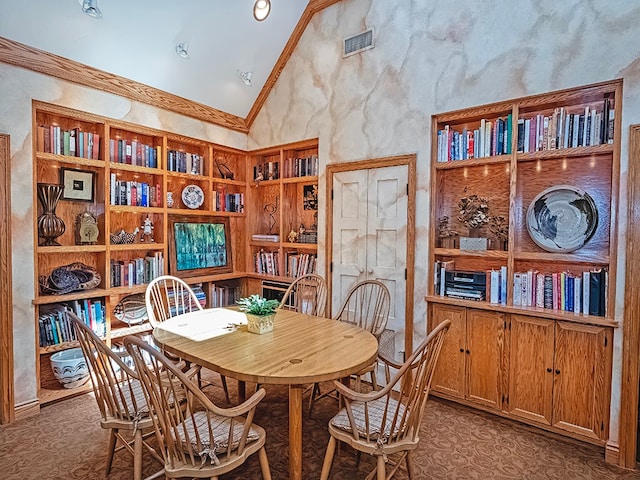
78	184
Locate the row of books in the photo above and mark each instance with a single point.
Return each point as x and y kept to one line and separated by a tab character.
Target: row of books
141	194
228	202
184	162
299	264
73	142
134	153
138	271
267	263
585	293
567	130
223	295
266	171
185	303
300	167
490	138
55	326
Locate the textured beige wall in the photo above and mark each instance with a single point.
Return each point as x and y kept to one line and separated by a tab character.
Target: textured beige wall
432	57
17	88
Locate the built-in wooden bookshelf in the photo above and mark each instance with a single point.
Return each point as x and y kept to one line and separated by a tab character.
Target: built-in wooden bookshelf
544	359
127	170
131	175
282	236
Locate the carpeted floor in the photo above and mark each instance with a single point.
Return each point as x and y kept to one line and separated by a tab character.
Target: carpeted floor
66	442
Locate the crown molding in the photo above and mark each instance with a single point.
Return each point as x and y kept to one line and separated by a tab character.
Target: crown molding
15	53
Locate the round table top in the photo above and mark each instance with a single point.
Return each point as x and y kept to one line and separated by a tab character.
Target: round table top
300	349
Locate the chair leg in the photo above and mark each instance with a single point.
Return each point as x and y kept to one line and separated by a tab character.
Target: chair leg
137	455
112	447
328	459
315	391
409	460
264	464
374	382
382	474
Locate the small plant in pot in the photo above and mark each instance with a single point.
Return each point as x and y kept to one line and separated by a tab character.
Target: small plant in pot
260	313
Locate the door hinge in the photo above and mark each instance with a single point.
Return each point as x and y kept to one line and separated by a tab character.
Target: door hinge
405	273
332	194
331	267
407	189
601	425
605	341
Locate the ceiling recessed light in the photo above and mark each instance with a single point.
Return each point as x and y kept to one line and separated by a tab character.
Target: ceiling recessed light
90	7
182	49
261	9
246	77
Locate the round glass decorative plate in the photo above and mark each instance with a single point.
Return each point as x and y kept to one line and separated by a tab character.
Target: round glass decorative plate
193	196
562	218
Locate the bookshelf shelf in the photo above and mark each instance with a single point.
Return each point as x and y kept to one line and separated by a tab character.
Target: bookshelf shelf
533	300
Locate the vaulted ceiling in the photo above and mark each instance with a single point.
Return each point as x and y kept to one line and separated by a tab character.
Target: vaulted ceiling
134	44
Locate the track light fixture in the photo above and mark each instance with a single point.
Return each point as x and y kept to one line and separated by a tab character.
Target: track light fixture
182	49
90	7
261	9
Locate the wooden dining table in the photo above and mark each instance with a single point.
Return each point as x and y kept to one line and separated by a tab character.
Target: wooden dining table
301	349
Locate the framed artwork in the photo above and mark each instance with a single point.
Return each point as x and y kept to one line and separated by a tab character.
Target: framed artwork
199	246
78	184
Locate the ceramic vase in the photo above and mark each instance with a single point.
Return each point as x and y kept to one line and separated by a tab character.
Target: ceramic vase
50	226
260	323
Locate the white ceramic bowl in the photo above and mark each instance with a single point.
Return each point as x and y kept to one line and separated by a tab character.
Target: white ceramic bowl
70	368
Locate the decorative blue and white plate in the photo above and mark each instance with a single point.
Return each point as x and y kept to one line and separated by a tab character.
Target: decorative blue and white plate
193	196
562	218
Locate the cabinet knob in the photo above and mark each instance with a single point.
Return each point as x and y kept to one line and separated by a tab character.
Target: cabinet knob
549	370
370	272
468	352
462	350
557	372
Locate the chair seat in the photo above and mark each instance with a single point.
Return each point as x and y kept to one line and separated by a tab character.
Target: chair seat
370	418
220	431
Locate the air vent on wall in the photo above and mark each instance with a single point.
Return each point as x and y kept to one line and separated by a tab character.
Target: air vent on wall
358	43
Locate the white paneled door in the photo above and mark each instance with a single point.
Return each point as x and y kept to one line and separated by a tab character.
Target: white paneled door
370	235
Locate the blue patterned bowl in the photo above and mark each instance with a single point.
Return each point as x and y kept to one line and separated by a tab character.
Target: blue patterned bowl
70	368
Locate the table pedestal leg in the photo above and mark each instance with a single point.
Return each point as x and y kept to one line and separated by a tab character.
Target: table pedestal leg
295	432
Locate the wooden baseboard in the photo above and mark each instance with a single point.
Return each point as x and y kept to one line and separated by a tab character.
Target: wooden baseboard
612	453
27	410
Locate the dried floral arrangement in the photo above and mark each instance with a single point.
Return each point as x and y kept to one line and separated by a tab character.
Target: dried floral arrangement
499	226
473	211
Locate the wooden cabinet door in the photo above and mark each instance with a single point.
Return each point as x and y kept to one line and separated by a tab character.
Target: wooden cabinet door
531	368
582	384
484	349
449	375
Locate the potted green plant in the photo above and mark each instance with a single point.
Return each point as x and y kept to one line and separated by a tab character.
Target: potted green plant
260	313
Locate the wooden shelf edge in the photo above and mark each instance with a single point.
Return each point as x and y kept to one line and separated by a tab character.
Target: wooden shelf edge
530	311
136	246
456	252
86	162
305	179
81	295
227	181
563	257
135	209
130	330
126	167
473	162
58	347
70	249
605	149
